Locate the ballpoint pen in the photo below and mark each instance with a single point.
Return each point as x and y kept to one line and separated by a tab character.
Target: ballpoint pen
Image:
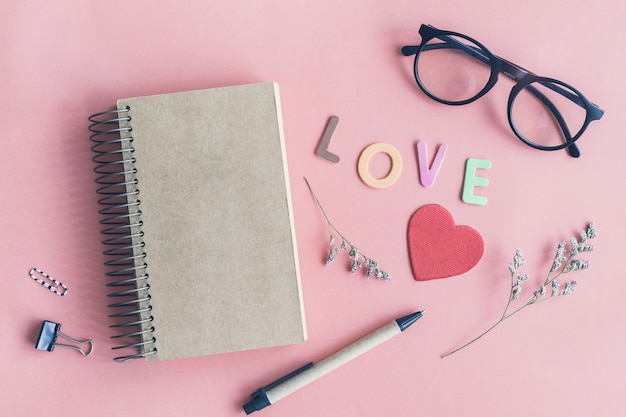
310	372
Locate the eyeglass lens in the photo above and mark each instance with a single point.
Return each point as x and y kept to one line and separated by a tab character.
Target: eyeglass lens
545	113
448	71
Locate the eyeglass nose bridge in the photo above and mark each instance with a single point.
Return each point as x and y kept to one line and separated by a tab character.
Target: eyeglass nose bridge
511	70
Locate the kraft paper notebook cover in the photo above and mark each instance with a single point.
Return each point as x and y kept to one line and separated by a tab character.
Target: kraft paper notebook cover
198	223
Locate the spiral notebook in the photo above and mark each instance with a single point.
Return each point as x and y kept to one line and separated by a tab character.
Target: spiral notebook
198	224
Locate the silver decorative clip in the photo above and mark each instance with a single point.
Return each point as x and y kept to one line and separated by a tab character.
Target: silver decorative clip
48	282
49	333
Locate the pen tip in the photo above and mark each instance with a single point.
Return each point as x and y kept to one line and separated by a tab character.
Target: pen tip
406	321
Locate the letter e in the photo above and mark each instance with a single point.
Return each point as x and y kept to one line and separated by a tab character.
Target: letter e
471	181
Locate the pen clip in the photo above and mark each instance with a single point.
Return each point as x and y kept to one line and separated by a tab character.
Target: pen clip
288	376
259	398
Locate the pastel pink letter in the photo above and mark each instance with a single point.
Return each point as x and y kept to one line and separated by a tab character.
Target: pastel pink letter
429	174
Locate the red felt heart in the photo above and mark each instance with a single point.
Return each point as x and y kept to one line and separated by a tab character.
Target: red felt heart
438	248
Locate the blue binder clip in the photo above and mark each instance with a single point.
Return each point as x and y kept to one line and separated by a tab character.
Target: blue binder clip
48	337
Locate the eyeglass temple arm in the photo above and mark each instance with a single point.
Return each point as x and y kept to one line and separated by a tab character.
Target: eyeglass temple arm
516	73
511	70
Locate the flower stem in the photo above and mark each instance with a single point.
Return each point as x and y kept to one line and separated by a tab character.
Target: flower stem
358	259
561	265
505	316
475	339
318	202
330	224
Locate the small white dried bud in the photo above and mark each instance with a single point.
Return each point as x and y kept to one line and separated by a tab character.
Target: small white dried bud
558	258
512	269
555	265
574	244
591	231
586	248
576	265
331	257
540	292
555	288
518	260
583	236
380	274
570	286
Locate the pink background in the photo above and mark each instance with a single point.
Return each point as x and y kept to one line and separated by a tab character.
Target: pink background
62	61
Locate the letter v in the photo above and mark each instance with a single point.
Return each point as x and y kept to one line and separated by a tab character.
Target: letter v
429	174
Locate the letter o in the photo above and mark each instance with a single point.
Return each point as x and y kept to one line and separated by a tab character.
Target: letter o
366	157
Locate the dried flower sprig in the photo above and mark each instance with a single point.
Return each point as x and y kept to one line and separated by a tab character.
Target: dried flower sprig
563	263
358	260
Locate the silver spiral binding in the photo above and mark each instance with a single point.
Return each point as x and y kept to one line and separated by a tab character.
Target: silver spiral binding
122	230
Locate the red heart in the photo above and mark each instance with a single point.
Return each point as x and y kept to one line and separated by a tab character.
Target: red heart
438	248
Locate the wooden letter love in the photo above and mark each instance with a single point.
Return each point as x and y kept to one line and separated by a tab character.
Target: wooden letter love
438	248
427	174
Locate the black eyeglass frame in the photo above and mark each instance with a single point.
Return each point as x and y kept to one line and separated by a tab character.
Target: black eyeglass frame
521	76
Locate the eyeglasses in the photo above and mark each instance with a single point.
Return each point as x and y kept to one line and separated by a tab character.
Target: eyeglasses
544	113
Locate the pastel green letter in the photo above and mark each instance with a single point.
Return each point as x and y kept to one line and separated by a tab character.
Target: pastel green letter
471	181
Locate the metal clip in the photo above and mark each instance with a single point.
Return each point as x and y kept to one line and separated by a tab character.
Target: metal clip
48	336
54	288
